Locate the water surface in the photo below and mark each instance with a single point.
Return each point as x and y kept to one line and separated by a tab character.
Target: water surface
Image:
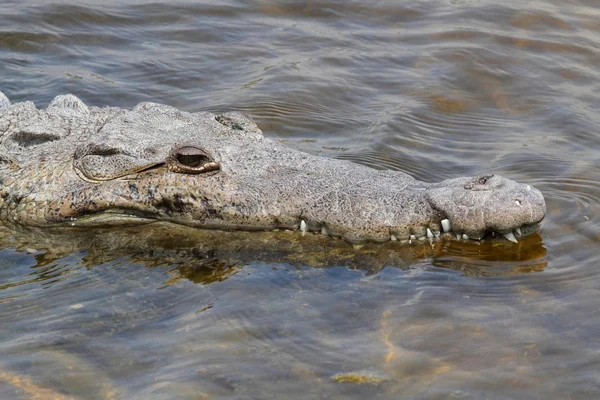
437	89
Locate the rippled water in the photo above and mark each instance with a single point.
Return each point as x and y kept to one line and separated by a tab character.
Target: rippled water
437	89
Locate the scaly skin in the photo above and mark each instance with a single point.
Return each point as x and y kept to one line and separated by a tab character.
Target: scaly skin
74	165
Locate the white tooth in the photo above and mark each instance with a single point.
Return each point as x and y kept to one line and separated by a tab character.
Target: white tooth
358	246
446	225
528	187
518	230
510	236
429	233
458	236
413	237
465	237
302	226
393	238
517	202
493	234
421	238
324	231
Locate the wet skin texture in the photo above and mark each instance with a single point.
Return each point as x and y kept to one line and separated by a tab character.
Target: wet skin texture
88	166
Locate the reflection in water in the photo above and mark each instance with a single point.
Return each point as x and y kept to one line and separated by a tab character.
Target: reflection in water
494	258
434	89
206	256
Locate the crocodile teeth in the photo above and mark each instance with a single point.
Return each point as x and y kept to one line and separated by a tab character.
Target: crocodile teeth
465	236
324	231
511	236
429	233
302	226
518	230
446	225
393	238
413	237
493	234
4	102
458	236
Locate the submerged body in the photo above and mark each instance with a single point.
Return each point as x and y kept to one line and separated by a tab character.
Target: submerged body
76	165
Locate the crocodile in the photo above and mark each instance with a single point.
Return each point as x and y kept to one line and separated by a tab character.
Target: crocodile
76	165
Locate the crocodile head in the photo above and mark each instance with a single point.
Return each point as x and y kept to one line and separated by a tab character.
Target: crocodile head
74	165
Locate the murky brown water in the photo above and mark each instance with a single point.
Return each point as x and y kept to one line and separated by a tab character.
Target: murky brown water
435	88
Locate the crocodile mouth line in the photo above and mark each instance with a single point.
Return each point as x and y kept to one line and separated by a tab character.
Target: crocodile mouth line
110	217
121	216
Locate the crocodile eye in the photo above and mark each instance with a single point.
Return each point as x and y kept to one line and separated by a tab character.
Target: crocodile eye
191	160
